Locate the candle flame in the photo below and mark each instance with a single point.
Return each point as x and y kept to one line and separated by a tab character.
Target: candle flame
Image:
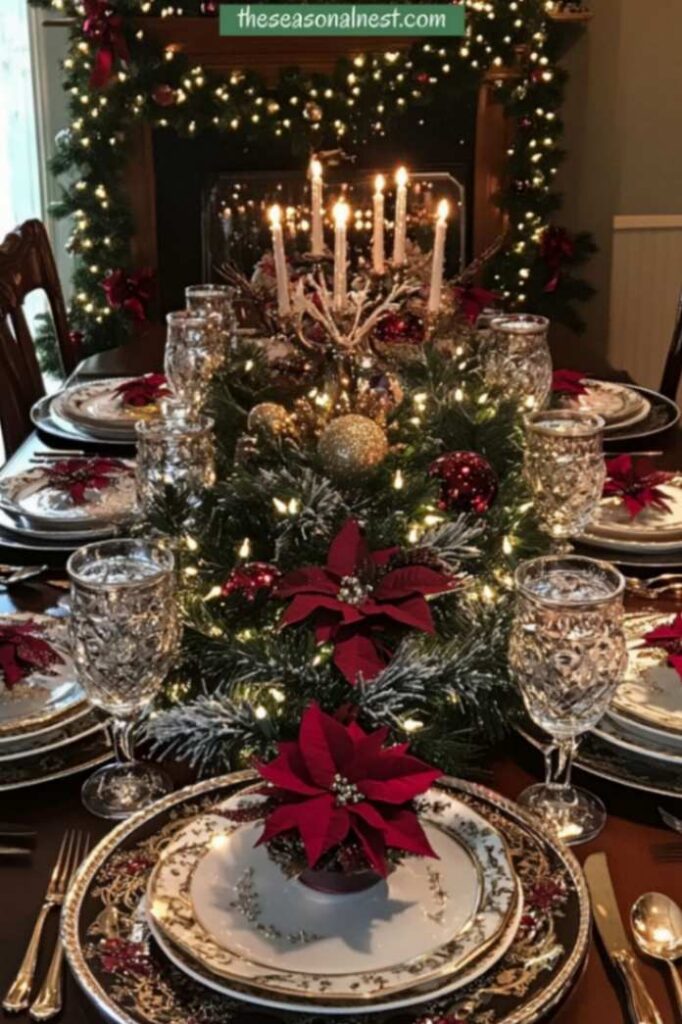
379	183
401	176
275	215
443	209
341	212
315	169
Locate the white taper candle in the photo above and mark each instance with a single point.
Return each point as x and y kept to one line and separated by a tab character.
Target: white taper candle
378	225
317	234
341	214
283	303
401	179
438	257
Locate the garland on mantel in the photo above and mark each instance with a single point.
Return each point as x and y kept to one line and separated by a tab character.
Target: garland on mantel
116	75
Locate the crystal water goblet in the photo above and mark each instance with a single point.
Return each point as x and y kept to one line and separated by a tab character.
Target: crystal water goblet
217	300
191	356
565	470
125	633
175	450
516	360
567	652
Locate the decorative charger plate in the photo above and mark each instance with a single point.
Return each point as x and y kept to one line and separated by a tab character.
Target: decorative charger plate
128	978
612	732
34	745
96	408
82	756
650	695
62	430
33	498
435	924
43	697
663	415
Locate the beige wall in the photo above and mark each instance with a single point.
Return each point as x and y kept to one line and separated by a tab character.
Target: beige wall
623	120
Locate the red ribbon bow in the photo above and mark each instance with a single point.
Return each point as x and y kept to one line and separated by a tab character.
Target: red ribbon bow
471	301
22	651
669	638
556	246
80	475
129	291
144	390
568	382
337	783
356	596
637	482
103	26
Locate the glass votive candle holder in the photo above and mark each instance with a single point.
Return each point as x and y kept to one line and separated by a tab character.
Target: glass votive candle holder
565	470
516	359
192	356
176	450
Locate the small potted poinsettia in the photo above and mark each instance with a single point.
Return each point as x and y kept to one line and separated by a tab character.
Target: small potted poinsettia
340	811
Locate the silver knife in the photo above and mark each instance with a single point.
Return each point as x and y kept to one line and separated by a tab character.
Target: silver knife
610	924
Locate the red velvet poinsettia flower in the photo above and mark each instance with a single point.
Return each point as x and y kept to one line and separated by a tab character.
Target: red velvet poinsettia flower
23	651
130	291
80	475
471	301
338	783
141	391
104	27
669	638
356	597
556	248
637	482
568	382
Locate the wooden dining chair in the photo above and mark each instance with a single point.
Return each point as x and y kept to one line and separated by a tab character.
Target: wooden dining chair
673	364
26	265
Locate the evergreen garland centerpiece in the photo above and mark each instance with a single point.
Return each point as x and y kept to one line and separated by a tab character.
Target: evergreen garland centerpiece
358	549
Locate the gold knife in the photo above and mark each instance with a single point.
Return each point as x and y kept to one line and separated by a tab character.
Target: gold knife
610	924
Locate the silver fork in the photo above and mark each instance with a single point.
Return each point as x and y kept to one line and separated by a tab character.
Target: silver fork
670	820
48	1002
18	995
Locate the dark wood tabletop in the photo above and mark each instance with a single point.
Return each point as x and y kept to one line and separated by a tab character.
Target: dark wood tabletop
632	831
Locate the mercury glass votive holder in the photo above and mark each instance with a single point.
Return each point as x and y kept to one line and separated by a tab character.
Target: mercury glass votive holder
516	360
565	470
176	450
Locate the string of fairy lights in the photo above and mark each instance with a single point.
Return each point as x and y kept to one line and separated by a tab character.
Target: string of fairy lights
510	43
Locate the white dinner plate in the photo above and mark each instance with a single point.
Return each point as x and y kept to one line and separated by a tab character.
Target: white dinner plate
32	499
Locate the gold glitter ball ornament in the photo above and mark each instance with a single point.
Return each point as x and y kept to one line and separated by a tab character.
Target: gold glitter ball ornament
269	418
352	445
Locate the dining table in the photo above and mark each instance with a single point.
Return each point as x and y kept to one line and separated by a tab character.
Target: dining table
631	839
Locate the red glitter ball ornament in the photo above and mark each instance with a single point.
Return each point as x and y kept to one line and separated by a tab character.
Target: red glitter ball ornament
249	579
400	328
468	482
164	95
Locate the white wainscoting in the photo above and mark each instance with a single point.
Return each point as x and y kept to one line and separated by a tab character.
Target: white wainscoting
646	278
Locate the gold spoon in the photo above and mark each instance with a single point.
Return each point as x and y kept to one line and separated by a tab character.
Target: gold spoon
657	926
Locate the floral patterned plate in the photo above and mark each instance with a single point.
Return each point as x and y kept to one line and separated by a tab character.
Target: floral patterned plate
58	429
97	408
38	499
433	924
619	406
82	756
43	696
122	970
653	525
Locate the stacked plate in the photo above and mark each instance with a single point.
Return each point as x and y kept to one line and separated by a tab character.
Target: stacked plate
41	512
47	728
654	535
630	413
645	717
93	411
194	915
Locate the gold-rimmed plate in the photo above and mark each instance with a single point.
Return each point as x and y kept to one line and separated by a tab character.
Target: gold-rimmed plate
34	499
433	923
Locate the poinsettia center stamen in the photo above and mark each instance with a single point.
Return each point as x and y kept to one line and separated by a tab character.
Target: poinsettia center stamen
346	792
353	591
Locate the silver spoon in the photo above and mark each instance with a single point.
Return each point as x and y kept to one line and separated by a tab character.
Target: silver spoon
657	926
19	574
